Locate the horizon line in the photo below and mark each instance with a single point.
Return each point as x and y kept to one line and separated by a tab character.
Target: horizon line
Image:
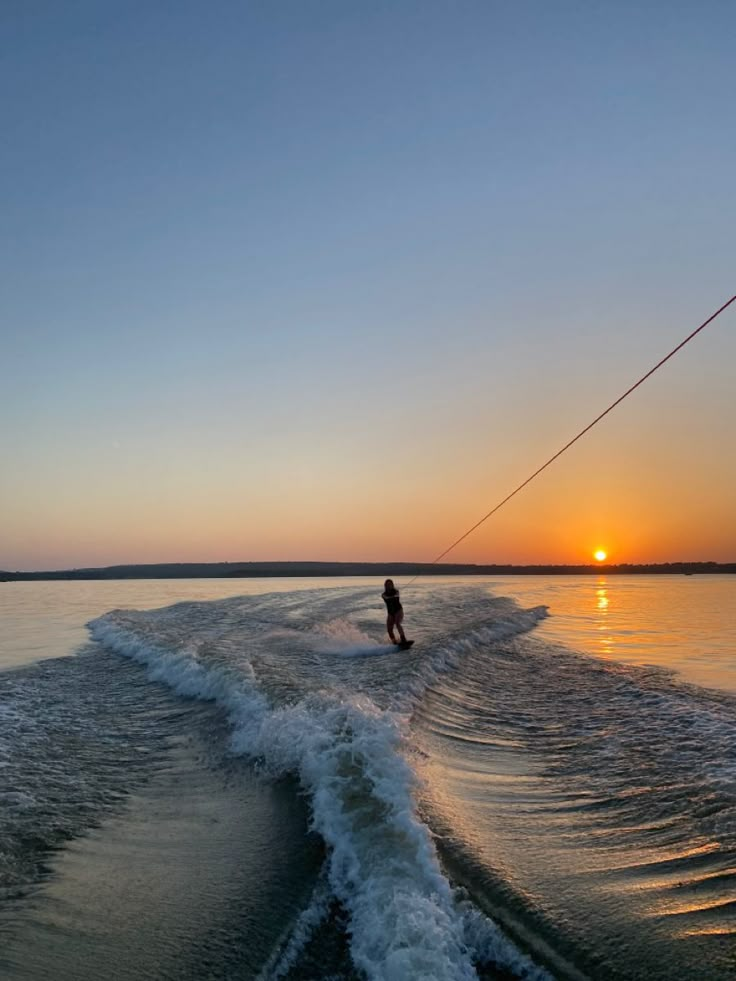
430	568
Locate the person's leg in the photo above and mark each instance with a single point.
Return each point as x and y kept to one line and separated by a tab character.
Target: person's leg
390	628
398	617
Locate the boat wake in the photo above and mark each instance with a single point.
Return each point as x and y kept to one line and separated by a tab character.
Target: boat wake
316	702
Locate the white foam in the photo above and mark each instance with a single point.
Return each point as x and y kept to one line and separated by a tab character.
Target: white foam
298	934
344	638
490	945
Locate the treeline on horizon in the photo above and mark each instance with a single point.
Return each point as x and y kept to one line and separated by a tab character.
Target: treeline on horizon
262	570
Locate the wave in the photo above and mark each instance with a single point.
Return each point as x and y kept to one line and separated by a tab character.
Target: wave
557	777
69	755
294	710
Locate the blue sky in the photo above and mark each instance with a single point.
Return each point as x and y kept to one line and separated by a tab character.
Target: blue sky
266	265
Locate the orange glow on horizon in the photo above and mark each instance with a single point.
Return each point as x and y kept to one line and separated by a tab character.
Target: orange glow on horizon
347	514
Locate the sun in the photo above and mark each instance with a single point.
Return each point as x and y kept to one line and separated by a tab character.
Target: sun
599	555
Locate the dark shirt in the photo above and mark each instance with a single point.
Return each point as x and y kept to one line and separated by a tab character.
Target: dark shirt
392	601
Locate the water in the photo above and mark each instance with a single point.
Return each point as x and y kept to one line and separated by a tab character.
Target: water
240	779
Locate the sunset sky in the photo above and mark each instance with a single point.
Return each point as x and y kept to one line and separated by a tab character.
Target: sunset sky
327	280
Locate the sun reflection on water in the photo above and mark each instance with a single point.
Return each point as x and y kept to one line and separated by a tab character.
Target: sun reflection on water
605	639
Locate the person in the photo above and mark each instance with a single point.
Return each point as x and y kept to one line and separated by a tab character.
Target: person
390	596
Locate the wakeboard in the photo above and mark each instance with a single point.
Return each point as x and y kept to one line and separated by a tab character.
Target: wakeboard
404	645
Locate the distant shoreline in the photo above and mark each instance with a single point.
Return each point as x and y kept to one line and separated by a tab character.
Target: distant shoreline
262	570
